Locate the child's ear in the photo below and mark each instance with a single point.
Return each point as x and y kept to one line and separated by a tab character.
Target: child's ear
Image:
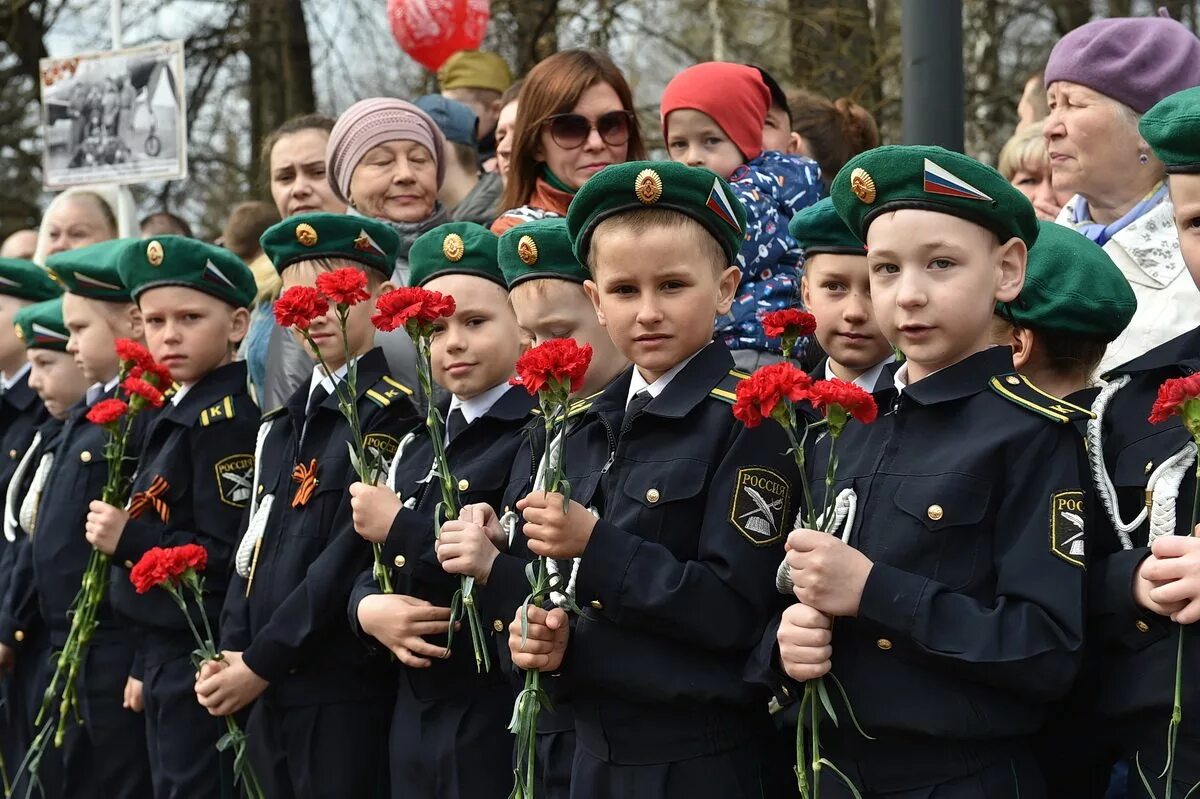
1023	340
727	288
1013	256
383	288
131	319
239	325
805	300
594	295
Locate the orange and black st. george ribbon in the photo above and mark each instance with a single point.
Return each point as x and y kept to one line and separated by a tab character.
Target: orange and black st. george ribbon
306	478
151	498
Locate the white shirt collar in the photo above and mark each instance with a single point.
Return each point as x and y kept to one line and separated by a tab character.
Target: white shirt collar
183	389
867	380
900	379
638	383
98	390
480	404
7	382
327	382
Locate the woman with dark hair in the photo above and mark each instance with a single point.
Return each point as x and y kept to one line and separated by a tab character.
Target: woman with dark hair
830	132
575	116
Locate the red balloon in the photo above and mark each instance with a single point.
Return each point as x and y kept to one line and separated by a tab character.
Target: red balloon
431	31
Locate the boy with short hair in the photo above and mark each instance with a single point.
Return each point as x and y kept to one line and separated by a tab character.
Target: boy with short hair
1146	582
836	288
447	737
959	596
193	482
712	116
284	635
106	754
675	577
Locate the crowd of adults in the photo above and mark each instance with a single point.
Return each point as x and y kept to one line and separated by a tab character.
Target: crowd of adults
500	152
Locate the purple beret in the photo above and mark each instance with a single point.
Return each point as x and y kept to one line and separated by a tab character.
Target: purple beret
1134	60
369	123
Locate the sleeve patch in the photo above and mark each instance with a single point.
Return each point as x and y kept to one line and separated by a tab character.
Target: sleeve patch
1068	526
759	508
382	446
235	477
217	413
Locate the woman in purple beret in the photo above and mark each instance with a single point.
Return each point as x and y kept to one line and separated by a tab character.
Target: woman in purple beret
1100	79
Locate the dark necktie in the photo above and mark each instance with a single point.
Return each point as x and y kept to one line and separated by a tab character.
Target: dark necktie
455	423
319	395
636	406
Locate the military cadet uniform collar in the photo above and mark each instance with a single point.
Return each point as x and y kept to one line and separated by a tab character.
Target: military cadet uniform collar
1182	351
7	382
480	404
868	380
18	394
220	382
98	391
963	379
327	382
638	383
697	376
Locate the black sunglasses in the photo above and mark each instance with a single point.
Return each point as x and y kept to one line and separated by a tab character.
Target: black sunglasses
571	131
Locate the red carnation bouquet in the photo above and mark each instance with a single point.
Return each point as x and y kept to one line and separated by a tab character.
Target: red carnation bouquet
552	372
1177	397
790	325
297	307
773	392
416	310
177	570
142	383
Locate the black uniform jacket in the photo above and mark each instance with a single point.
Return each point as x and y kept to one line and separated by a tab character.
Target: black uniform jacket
288	617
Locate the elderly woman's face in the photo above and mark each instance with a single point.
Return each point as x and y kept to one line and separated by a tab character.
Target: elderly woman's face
1033	180
396	180
76	222
574	165
1093	144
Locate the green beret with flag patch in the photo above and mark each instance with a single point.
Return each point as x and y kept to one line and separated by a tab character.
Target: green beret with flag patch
40	326
818	229
341	237
925	178
1072	286
1172	129
456	248
26	280
539	249
637	185
182	261
91	271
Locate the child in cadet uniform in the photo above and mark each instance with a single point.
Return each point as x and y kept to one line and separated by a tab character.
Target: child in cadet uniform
448	736
545	285
22	283
318	727
675	577
836	288
105	755
192	484
713	116
1145	582
959	595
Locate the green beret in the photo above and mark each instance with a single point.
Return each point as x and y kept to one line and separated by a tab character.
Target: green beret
540	248
818	229
345	237
41	326
180	261
456	248
92	271
638	185
1072	286
930	179
26	280
1172	129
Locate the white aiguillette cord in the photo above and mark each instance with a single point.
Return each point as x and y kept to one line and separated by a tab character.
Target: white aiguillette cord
844	508
12	505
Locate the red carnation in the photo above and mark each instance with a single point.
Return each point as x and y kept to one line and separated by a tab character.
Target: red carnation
132	353
151	570
398	307
298	306
759	395
136	387
838	399
154	373
789	322
558	362
185	557
346	286
1179	397
107	411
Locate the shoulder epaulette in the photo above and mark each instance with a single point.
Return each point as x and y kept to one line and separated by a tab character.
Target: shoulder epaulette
387	390
217	413
1018	390
726	390
581	405
274	413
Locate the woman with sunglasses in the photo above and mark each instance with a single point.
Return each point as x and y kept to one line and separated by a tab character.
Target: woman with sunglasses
574	117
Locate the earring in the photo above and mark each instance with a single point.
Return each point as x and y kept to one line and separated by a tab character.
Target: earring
1143	159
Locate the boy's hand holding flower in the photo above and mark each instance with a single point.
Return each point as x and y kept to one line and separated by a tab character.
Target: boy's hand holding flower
552	533
373	509
400	623
104	526
545	640
827	573
805	639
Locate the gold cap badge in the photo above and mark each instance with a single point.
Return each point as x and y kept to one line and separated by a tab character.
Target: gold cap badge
154	253
648	186
453	247
19	332
527	250
306	234
862	184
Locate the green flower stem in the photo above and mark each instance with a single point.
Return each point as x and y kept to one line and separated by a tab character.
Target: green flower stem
1177	706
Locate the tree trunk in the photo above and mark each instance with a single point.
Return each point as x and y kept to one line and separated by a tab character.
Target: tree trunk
281	80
